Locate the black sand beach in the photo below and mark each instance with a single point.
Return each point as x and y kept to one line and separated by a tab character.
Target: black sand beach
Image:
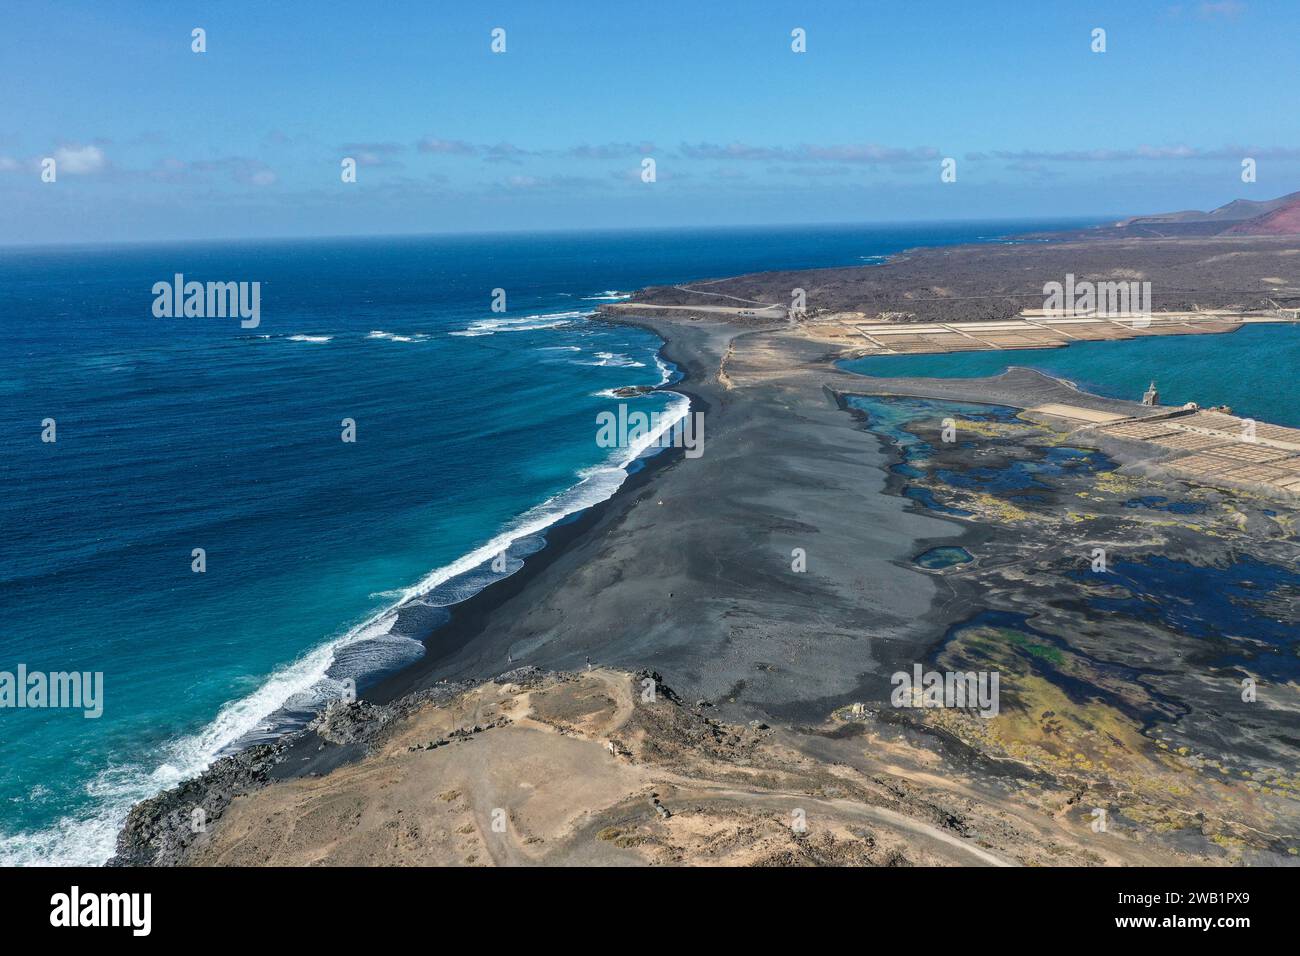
688	571
707	543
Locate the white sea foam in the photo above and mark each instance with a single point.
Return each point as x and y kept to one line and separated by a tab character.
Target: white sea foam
527	323
609	295
394	337
302	685
310	338
90	841
665	373
610	360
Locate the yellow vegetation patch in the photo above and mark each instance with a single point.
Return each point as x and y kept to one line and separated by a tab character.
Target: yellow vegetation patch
995	508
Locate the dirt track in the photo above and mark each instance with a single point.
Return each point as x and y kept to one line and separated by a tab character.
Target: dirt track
571	779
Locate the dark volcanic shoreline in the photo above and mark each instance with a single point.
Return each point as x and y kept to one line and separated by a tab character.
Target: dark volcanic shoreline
690	570
469	618
162	821
504	620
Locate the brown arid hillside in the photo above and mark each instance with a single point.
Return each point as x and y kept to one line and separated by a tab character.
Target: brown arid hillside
1282	221
592	768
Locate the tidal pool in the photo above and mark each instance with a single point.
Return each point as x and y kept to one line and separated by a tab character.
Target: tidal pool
946	557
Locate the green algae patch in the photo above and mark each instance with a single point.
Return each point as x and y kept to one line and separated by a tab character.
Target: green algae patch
1044	651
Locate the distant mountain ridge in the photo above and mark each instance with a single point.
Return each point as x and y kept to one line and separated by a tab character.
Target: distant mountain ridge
1241	217
1282	220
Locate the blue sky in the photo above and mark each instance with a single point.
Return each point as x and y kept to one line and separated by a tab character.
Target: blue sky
154	141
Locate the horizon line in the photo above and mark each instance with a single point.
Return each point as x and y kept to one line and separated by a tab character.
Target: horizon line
227	240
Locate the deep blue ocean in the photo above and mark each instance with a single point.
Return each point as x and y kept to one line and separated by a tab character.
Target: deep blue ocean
475	430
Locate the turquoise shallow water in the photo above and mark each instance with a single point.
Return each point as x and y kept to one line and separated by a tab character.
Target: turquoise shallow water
939	558
1255	370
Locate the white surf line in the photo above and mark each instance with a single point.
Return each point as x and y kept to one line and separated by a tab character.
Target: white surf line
185	757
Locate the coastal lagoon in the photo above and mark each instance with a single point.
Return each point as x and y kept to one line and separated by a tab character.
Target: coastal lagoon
1252	370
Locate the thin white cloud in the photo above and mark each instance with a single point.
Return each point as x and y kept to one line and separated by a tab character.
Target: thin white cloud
1223	9
446	147
550	182
610	150
868	153
240	169
79	160
373	154
1144	152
